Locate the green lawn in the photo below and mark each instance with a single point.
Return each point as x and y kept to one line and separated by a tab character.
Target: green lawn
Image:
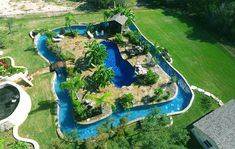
196	54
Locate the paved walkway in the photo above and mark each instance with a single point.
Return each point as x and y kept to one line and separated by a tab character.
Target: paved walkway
41	71
220	102
16	136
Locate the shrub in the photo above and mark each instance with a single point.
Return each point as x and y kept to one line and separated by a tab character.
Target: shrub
127	100
134	37
206	102
146	46
167	96
158	92
151	77
72	34
118	39
173	79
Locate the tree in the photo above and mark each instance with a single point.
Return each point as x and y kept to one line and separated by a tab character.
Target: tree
102	76
10	22
74	83
69	19
96	53
50	34
122	10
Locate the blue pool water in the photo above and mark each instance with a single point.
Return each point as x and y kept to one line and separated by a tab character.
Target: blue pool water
65	113
124	72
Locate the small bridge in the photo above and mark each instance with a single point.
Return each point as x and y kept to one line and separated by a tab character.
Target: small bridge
59	64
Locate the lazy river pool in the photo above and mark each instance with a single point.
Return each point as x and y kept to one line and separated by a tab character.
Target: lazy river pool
123	70
67	123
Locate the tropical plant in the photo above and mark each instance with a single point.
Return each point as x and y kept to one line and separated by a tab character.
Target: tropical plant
96	53
149	79
69	19
134	37
102	76
50	34
106	98
73	84
122	10
127	100
118	39
158	92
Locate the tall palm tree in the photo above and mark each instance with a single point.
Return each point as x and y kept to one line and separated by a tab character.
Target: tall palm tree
73	84
102	76
69	19
122	10
96	53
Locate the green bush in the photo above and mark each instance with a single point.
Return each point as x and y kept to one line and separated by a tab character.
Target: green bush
118	39
206	102
167	96
158	92
134	37
72	34
151	77
127	100
173	79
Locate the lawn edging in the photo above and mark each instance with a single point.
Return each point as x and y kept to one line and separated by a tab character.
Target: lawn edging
191	101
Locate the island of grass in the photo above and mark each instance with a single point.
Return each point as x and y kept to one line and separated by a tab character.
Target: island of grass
113	71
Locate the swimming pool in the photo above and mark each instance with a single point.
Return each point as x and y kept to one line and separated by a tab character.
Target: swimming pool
65	114
123	70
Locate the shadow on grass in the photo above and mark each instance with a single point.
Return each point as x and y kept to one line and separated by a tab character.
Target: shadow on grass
45	105
31	49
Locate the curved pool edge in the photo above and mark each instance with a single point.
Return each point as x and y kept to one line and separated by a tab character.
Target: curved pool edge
59	131
193	95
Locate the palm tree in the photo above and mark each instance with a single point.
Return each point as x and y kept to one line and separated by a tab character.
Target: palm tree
102	76
103	99
122	10
69	18
96	53
50	34
73	84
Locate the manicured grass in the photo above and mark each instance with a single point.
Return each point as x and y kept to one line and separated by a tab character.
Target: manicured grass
40	124
19	43
196	53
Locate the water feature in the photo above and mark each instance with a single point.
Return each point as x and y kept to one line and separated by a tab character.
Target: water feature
65	114
124	72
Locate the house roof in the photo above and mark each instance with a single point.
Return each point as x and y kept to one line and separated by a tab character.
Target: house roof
219	125
121	19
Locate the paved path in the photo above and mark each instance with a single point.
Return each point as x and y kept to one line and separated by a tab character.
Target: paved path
16	136
41	71
220	102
